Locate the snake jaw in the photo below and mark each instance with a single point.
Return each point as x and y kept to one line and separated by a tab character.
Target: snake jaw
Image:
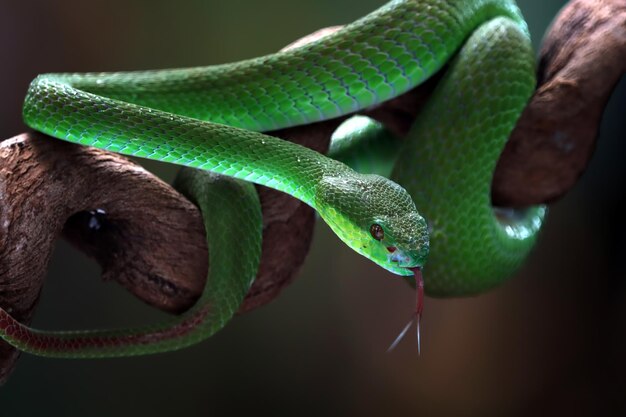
399	257
403	260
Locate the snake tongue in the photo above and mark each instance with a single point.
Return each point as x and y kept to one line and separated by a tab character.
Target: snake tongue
417	315
419	302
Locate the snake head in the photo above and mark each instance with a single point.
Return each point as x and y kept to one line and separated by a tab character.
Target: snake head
375	217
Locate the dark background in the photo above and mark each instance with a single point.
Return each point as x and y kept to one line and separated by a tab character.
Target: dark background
549	341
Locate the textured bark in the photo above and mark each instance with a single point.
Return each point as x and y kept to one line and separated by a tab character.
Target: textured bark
582	58
154	244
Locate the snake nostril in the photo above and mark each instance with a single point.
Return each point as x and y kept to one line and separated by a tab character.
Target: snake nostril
391	249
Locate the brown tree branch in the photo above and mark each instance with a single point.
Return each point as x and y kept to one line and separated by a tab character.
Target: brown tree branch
582	58
154	244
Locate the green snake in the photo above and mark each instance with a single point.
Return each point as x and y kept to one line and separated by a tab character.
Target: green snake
211	118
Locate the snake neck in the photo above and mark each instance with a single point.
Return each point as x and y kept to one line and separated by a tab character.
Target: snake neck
84	118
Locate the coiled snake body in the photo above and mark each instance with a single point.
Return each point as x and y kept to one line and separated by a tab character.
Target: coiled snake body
210	118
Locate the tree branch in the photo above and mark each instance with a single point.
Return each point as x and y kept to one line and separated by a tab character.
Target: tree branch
582	58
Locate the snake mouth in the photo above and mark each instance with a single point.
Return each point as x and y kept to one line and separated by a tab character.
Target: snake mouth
398	257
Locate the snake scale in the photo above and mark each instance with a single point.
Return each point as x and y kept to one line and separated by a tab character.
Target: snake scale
212	118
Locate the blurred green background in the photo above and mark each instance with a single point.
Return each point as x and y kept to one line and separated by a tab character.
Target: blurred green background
549	341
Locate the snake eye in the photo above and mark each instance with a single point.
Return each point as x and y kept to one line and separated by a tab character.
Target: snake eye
377	231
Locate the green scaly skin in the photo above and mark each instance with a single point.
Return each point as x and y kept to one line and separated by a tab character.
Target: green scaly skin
165	115
471	113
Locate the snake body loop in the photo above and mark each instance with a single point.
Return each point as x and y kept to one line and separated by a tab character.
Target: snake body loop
211	118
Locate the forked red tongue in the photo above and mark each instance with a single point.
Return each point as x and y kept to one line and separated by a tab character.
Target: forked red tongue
419	303
419	288
417	316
